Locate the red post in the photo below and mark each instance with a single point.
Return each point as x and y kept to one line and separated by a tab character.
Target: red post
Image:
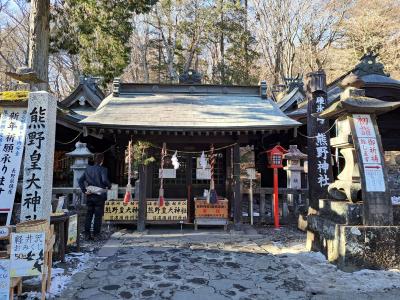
276	200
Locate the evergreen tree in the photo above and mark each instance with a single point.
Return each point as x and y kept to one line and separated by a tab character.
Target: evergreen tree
98	31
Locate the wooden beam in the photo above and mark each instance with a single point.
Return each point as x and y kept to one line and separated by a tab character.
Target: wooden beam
142	209
85	131
263	215
237	213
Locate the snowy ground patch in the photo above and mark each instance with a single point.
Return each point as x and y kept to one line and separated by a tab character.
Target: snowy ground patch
61	277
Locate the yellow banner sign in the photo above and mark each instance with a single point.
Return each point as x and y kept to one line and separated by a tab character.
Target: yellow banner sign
173	210
14	95
207	210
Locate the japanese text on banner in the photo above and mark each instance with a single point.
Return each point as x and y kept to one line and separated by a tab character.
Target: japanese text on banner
12	138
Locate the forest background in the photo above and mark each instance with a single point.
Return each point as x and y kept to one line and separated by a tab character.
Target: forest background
226	41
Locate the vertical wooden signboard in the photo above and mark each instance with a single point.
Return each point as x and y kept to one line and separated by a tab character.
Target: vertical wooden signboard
318	144
375	192
27	254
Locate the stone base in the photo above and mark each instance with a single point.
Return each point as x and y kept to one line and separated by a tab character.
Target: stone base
337	232
302	222
396	214
341	212
354	246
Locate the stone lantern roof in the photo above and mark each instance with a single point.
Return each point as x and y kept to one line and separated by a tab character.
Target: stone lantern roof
294	153
80	151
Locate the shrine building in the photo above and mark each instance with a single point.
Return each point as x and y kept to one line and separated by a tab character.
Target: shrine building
189	119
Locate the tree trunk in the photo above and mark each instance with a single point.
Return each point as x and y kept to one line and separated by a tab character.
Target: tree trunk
38	58
222	44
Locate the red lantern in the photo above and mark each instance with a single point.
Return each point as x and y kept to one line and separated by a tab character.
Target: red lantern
275	156
275	160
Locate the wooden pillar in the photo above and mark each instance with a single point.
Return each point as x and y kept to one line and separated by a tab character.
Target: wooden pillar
141	223
228	176
190	205
263	215
318	143
237	214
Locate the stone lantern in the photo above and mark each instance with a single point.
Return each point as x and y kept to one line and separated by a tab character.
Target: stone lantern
80	155
294	168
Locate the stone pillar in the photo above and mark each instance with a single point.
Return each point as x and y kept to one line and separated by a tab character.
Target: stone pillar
294	170
318	145
80	156
39	157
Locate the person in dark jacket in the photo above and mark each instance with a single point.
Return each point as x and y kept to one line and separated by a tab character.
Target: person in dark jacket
95	177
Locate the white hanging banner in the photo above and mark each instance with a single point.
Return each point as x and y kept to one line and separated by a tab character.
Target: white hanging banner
167	173
374	179
12	139
5	279
371	157
203	174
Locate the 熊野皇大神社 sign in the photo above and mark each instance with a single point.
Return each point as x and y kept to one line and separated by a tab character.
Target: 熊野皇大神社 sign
173	210
39	157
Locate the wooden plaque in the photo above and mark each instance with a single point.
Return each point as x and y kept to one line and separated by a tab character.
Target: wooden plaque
208	210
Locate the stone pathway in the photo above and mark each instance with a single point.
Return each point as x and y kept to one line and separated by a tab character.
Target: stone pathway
214	265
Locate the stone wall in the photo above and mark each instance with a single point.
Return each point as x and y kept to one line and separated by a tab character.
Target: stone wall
392	163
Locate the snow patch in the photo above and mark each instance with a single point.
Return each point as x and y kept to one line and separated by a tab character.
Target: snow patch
396	200
355	231
61	277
